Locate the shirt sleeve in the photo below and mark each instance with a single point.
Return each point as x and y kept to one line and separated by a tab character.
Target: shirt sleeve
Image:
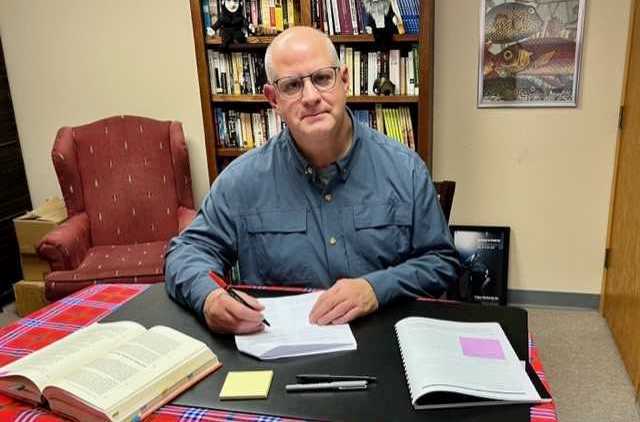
209	243
433	263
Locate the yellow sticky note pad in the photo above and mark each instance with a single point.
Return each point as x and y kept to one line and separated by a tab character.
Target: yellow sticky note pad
246	385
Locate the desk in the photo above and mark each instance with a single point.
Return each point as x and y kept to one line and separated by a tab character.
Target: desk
97	302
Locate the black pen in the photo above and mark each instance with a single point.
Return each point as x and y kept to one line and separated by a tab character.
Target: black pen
221	282
304	378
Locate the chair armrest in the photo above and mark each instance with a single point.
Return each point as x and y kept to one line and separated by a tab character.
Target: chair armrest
66	246
185	217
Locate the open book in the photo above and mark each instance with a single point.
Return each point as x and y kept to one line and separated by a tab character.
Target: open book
109	372
459	364
291	333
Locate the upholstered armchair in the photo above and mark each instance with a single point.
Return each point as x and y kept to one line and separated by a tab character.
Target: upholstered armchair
127	187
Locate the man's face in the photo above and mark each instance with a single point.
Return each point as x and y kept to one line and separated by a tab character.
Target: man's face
313	114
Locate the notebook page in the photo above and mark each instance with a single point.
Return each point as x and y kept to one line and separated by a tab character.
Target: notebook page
291	333
467	358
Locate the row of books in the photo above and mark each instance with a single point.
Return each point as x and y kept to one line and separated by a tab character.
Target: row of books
243	73
267	16
395	122
349	17
399	67
236	73
240	129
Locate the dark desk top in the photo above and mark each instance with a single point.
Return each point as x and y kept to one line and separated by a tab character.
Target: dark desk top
378	354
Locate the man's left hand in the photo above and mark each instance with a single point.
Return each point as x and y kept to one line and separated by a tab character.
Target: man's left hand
346	300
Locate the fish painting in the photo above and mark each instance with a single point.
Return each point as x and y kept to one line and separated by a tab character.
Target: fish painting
512	89
532	57
509	22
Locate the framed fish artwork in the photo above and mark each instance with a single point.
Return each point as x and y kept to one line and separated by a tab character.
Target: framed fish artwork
530	53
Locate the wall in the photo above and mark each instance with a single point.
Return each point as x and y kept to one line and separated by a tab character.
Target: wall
71	62
544	172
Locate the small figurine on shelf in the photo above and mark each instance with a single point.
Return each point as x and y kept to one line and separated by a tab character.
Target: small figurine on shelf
232	23
383	20
383	86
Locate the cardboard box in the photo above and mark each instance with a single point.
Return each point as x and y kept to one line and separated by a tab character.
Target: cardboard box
33	267
29	297
32	226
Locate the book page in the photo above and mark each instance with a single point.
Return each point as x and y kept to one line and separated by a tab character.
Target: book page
138	371
467	358
291	333
44	366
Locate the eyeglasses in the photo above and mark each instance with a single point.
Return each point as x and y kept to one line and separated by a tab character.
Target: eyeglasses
322	79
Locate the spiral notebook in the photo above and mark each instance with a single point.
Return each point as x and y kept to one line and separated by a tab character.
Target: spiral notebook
460	364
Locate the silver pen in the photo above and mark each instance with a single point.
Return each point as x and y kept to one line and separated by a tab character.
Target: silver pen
327	386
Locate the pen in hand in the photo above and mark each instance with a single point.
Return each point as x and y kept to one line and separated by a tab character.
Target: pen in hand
223	284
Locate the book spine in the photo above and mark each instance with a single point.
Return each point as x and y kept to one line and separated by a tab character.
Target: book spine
356	72
349	56
254	13
354	17
206	17
279	18
345	17
291	19
394	69
371	71
336	16
364	67
396	10
272	16
403	75
285	14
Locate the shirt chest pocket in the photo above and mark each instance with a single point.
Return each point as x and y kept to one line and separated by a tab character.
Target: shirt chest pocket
382	234
278	241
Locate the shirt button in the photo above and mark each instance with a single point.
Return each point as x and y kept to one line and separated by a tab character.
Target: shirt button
308	170
332	240
328	197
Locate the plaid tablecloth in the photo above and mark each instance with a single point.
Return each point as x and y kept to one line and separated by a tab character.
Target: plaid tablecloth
94	303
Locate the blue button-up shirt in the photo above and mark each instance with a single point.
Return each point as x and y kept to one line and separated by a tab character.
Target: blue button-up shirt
378	218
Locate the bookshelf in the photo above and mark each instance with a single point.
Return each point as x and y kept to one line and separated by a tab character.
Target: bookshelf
421	106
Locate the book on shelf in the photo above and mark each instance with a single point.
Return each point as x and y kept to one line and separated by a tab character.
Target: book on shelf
236	73
243	73
252	129
267	16
460	364
349	17
246	129
395	122
109	371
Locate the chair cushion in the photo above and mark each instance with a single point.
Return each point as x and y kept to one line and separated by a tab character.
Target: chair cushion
128	180
106	264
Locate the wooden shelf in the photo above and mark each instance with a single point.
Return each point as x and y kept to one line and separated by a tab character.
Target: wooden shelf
231	152
366	38
238	99
384	99
263	41
363	99
252	42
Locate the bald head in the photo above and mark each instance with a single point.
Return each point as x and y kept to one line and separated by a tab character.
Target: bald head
297	36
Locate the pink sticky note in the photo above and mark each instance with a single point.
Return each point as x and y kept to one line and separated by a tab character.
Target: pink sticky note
481	348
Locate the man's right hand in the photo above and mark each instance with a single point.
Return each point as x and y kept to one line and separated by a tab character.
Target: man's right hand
224	314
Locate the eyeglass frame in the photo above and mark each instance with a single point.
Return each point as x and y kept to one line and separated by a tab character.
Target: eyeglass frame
302	78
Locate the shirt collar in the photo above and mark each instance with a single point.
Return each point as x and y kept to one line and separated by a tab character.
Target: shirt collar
344	165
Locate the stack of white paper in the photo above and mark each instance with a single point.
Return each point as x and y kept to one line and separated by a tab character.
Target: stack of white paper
291	333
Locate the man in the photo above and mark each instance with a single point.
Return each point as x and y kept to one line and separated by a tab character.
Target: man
328	203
